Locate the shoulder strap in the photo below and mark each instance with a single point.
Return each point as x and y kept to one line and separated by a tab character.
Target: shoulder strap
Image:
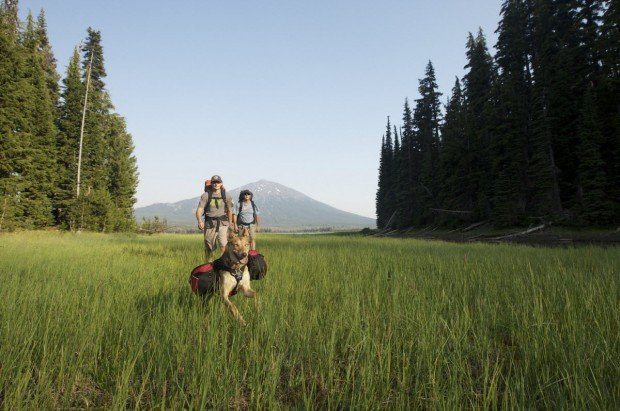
208	206
253	212
210	194
223	193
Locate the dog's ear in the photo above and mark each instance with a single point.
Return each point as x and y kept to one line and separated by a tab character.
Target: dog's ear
231	234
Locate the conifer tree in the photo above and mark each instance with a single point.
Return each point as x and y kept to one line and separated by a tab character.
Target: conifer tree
408	166
512	114
69	121
15	92
386	197
596	206
10	17
39	144
535	136
453	164
48	61
560	75
382	186
108	168
39	175
390	194
426	119
544	197
94	172
26	126
123	173
607	95
94	209
477	91
542	173
610	40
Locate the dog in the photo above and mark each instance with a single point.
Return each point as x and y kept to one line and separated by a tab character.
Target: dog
232	273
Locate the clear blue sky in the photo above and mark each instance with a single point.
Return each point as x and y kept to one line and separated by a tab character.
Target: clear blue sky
295	92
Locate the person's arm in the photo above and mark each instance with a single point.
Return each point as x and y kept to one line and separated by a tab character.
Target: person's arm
234	216
199	211
257	222
201	224
229	213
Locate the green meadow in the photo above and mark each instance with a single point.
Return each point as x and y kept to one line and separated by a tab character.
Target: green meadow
344	322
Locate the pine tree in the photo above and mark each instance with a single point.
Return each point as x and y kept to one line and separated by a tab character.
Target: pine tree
544	196
40	137
610	40
607	95
94	208
512	114
596	207
48	61
39	175
453	164
542	173
477	91
390	194
94	149
386	196
560	72
27	129
11	20
426	119
15	92
381	186
588	15
123	173
69	121
406	201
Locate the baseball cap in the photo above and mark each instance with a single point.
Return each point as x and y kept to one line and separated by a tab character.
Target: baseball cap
216	179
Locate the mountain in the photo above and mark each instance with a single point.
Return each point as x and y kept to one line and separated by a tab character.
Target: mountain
281	208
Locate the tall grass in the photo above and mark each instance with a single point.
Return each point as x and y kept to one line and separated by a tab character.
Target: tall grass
344	322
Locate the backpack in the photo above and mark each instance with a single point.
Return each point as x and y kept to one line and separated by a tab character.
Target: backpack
202	279
209	191
253	211
257	265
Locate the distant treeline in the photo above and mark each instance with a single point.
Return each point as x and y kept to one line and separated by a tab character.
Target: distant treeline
40	125
529	135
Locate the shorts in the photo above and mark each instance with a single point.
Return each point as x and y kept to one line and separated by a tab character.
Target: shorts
251	229
214	234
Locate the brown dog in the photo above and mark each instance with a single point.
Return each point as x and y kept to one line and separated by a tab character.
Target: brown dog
232	272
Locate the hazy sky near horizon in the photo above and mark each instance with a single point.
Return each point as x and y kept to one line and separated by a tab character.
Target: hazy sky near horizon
296	92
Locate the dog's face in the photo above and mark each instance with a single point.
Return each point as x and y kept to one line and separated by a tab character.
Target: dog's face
238	247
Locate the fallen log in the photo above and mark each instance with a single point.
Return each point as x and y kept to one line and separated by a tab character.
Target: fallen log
388	225
528	231
474	225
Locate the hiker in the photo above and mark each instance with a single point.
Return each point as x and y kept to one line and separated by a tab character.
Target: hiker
246	216
216	207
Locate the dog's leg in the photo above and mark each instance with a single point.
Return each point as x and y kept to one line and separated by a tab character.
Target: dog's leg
249	293
233	310
228	284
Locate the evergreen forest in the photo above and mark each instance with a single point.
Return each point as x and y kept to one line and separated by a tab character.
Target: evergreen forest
42	120
528	136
